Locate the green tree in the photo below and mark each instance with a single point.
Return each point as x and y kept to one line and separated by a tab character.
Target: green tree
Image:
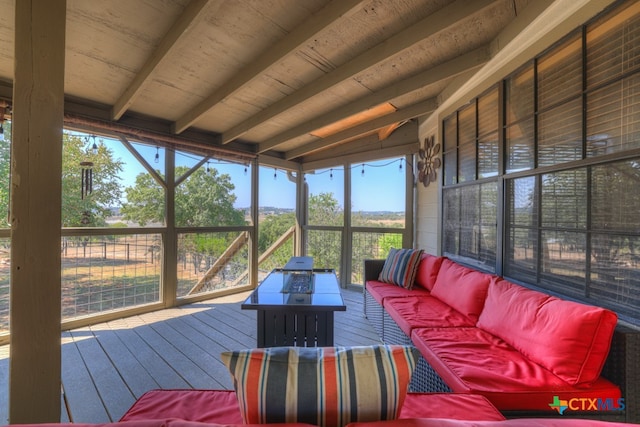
93	210
203	199
325	246
388	241
272	227
145	201
324	209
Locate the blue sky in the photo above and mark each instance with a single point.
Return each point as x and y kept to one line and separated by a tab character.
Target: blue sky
380	188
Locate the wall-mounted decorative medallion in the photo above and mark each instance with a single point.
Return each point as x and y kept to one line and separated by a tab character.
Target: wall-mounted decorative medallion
429	161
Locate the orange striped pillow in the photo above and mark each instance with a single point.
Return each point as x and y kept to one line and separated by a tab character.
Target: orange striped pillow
325	386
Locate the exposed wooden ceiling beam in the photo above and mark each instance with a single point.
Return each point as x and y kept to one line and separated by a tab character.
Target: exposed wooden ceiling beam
424	107
428	27
284	47
454	67
192	14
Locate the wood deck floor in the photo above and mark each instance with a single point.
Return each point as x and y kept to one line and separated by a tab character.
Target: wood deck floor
106	367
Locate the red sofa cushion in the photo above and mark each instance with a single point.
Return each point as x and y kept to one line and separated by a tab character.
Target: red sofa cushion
423	312
522	422
210	406
449	405
428	269
462	288
471	360
572	340
221	406
380	291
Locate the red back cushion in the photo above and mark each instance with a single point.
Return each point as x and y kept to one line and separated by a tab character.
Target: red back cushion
570	339
428	271
462	288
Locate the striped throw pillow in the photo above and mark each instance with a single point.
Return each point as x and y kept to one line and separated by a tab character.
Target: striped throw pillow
325	386
400	267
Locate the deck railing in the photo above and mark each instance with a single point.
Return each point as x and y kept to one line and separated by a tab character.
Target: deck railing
106	271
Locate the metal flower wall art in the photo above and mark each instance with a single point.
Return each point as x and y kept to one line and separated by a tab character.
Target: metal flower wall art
429	161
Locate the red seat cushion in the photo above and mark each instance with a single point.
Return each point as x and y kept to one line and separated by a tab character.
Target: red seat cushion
522	422
423	312
221	406
462	288
209	406
471	360
428	269
380	290
570	339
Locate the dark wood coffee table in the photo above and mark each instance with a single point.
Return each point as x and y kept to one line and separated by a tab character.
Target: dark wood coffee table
296	319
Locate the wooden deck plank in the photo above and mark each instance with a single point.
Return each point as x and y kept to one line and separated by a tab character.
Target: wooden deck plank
4	388
204	352
124	361
80	392
105	367
114	392
162	372
189	371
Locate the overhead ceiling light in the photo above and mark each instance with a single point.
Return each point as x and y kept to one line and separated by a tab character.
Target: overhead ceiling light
354	120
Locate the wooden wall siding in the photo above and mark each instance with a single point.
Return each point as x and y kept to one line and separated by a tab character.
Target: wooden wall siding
106	367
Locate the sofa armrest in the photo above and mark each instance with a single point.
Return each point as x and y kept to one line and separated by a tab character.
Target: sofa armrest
622	368
372	269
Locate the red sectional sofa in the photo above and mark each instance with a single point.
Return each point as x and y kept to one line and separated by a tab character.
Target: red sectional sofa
219	408
527	352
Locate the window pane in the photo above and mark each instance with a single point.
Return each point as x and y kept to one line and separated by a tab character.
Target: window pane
488	117
451	216
615	282
92	194
564	198
450	160
522	254
613	117
613	205
488	156
370	245
277	220
613	45
450	133
109	272
469	220
519	96
386	179
560	134
212	261
520	147
470	223
450	150
215	194
467	143
325	248
488	224
560	73
523	204
564	262
326	195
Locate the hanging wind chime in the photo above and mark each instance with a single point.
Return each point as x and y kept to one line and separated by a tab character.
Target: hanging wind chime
87	179
86	170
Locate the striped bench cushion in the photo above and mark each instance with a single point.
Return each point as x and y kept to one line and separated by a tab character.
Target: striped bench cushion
325	386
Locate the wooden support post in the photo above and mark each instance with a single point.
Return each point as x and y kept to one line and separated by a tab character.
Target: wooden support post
38	109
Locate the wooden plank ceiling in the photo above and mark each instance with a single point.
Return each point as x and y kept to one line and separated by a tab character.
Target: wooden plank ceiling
269	77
